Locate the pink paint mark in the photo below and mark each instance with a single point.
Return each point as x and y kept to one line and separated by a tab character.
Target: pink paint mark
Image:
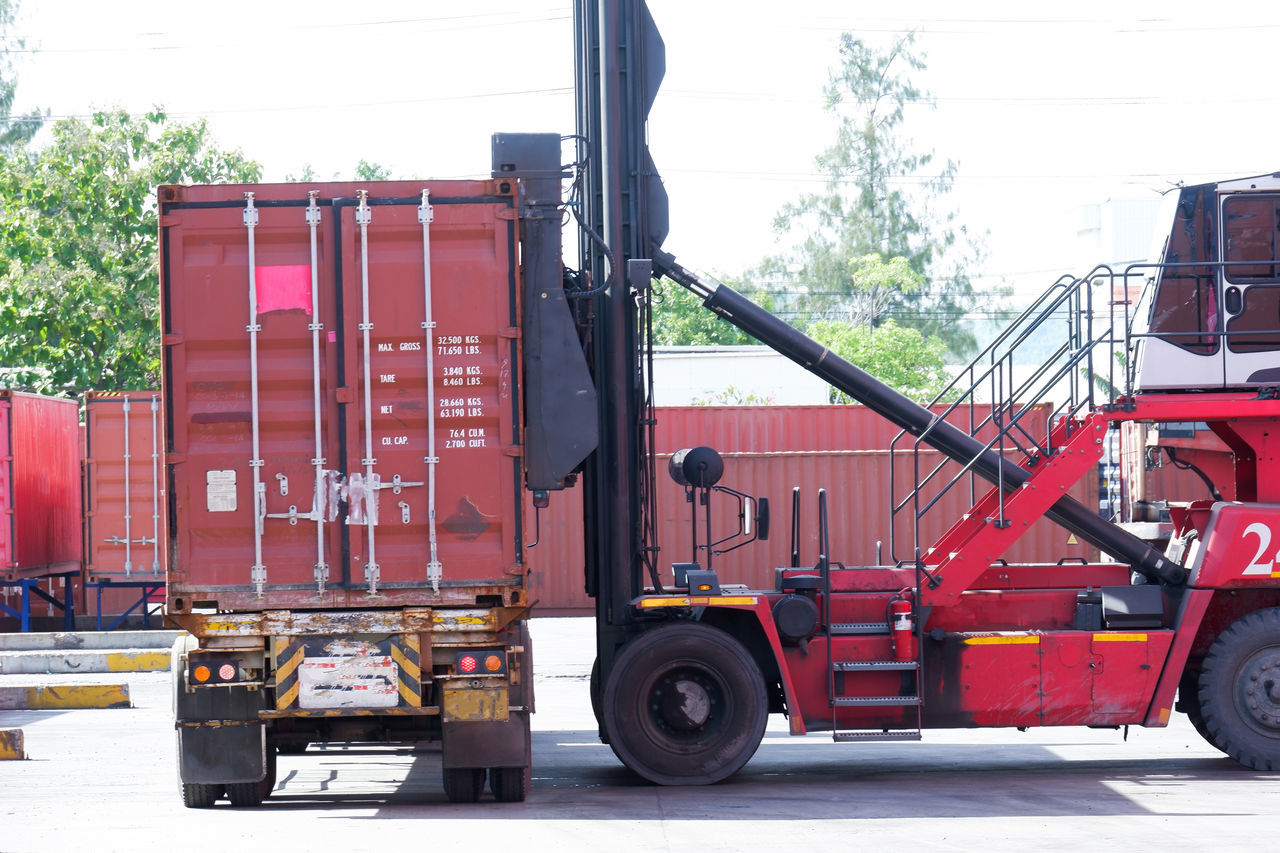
284	288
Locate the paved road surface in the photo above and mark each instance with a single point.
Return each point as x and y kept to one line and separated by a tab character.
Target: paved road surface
105	781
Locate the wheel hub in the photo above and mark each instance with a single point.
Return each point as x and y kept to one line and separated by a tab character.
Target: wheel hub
1259	691
683	702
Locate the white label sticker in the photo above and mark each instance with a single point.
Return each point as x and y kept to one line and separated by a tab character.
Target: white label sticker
357	681
220	490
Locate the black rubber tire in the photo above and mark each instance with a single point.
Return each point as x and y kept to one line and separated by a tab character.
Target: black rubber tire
685	704
510	784
196	795
269	783
463	784
1189	702
245	795
596	698
1240	690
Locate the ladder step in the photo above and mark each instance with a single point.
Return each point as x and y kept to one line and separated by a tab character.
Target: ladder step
864	665
875	700
846	628
845	737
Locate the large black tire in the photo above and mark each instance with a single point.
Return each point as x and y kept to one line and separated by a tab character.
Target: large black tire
245	795
596	699
685	704
510	784
199	796
1240	690
1189	702
463	784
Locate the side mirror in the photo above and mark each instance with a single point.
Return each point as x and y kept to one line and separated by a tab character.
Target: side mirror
762	519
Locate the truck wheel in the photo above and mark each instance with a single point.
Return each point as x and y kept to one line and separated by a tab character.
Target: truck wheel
685	705
594	686
199	796
1189	699
510	784
463	784
1240	690
246	795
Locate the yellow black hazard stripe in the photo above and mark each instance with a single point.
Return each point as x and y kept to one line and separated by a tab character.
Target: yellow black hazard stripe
405	651
289	653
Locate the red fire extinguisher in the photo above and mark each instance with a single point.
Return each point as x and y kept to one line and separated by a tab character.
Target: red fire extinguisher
902	627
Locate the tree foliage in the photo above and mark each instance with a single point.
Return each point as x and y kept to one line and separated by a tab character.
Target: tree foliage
880	200
901	357
679	319
78	281
14	130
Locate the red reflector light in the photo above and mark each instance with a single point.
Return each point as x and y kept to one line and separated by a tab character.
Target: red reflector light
226	672
201	673
493	663
467	663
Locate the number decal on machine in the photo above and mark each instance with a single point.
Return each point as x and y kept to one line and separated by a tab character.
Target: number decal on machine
1256	566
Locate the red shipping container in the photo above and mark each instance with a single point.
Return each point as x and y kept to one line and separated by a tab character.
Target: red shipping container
124	496
39	485
328	420
767	451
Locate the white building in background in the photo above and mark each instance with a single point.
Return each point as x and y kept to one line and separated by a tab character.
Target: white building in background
740	375
1116	232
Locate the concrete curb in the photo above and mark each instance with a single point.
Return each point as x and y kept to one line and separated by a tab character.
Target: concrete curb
74	641
47	662
65	697
11	748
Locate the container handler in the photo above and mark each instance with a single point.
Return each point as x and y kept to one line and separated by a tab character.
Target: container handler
947	635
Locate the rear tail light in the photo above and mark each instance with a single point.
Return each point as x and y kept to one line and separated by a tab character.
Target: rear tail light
481	662
213	668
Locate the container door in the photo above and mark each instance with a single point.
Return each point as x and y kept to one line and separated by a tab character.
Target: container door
432	479
341	375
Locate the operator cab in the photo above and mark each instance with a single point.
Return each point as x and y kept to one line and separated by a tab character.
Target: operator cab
1210	317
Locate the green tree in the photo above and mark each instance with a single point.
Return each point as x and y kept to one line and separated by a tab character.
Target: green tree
901	357
866	210
366	171
78	283
14	130
679	319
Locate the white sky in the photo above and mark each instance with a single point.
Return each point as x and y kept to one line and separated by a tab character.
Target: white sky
1044	106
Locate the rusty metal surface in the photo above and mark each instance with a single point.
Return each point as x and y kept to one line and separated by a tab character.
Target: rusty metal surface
39	485
274	623
125	531
205	273
855	476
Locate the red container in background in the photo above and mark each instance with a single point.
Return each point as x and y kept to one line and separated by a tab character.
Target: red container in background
39	485
124	497
767	451
265	341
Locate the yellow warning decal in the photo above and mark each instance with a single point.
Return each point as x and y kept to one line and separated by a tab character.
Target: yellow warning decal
1004	640
1120	638
702	601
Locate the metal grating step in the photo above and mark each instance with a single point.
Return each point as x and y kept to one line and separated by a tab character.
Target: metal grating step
846	628
865	665
865	737
875	700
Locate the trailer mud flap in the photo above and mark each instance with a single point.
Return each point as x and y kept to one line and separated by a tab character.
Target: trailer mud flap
487	744
221	754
